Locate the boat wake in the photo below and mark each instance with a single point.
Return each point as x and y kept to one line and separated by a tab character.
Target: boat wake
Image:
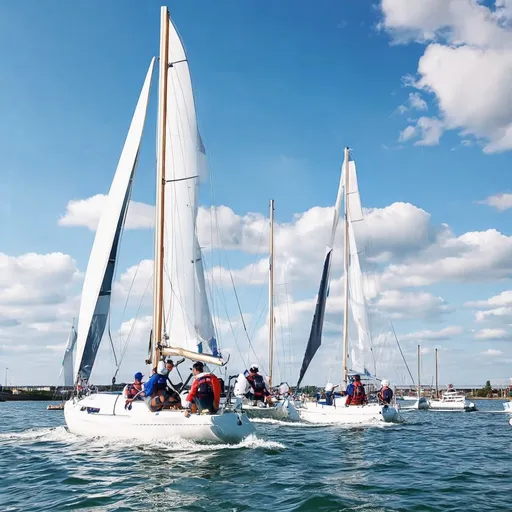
61	435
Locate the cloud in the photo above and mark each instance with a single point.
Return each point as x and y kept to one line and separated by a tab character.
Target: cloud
472	257
491	334
427	335
415	102
466	66
501	202
492	352
399	304
497	308
87	212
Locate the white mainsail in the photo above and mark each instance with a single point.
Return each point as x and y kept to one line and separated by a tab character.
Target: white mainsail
359	349
187	318
67	361
95	303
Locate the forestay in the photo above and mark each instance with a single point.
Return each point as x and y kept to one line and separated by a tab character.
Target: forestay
187	319
95	304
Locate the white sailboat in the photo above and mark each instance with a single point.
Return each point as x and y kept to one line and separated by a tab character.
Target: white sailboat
182	323
337	413
284	408
414	402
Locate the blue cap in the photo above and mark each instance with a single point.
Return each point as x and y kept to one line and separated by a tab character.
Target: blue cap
138	376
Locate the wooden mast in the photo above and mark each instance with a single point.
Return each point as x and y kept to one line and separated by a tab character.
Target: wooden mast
271	298
345	264
160	186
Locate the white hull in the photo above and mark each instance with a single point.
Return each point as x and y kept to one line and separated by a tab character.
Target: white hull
104	415
313	412
283	410
412	403
508	407
451	405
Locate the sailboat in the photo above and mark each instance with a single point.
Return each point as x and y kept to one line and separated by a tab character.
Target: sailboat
67	366
413	402
182	323
354	306
283	408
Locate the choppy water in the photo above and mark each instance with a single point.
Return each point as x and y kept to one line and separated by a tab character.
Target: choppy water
434	462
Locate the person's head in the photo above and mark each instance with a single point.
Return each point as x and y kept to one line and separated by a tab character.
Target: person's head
385	383
169	364
357	378
138	377
197	368
161	369
253	369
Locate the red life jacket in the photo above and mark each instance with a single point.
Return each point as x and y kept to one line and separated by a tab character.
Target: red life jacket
205	387
359	395
132	390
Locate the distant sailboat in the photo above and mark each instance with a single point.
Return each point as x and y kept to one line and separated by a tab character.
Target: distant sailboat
284	408
182	323
354	360
67	366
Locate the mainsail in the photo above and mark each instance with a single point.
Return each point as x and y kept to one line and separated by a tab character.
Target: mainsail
95	304
67	361
187	319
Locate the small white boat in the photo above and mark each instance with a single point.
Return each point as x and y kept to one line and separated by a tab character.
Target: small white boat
452	400
338	413
508	407
412	402
282	409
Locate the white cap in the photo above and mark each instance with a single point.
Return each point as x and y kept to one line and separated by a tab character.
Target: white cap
385	382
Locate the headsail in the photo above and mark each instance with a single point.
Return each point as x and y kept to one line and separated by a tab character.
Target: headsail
67	361
188	323
315	336
95	304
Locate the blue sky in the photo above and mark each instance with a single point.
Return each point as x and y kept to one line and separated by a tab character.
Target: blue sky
281	88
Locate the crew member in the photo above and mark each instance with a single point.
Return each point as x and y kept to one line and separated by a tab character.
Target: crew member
385	393
356	394
204	394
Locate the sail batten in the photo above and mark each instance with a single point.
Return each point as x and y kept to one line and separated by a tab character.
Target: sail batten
96	293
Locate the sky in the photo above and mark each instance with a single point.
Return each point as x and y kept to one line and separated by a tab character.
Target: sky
417	89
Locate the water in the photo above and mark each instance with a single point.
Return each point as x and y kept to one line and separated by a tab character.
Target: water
436	461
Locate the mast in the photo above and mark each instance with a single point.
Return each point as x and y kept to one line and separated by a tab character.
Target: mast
271	298
160	184
419	384
345	264
437	378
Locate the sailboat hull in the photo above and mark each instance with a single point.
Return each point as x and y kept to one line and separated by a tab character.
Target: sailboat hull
283	410
104	415
313	412
452	405
412	403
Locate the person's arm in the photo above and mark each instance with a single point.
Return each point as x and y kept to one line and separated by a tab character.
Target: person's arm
192	393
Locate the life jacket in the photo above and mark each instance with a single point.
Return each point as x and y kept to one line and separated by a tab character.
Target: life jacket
204	386
359	395
132	390
258	383
385	395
